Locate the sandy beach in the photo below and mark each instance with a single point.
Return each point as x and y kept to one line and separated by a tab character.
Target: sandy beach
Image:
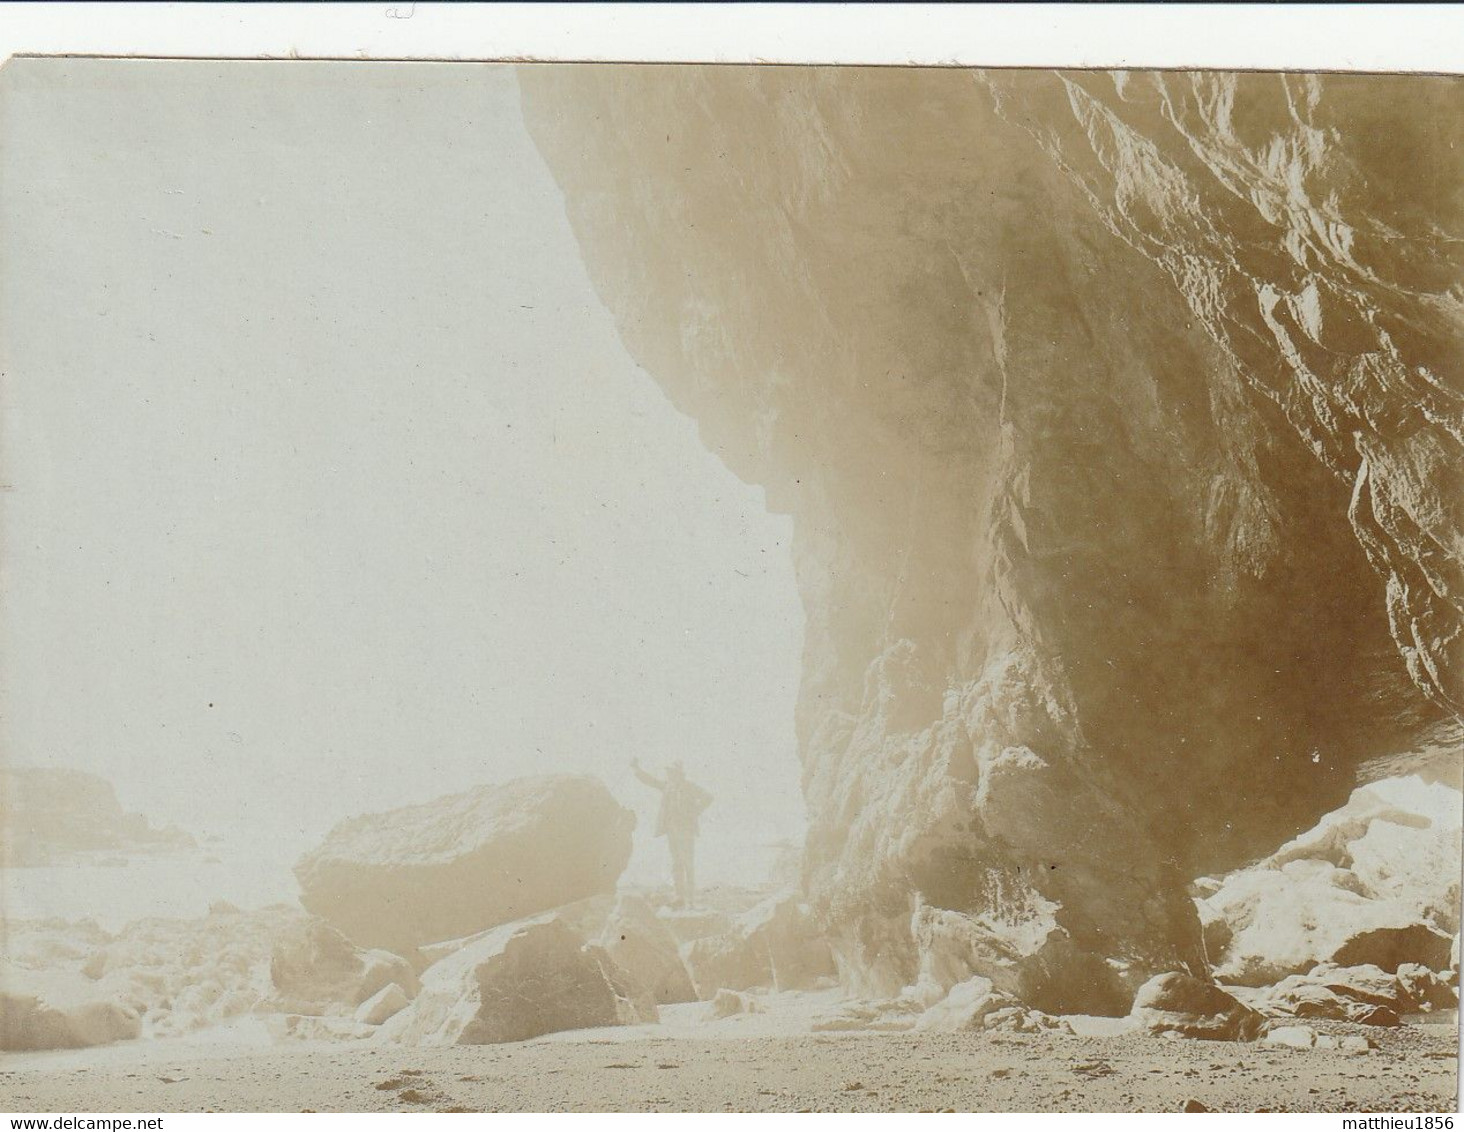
744	1068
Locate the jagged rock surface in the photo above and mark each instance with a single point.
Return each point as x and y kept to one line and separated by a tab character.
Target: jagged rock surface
317	970
773	946
1179	1004
1376	881
1120	421
516	982
1367	994
640	944
458	865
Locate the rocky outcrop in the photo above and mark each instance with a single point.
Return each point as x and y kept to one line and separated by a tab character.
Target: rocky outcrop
976	1005
52	816
1376	881
1119	422
773	946
519	981
1183	1006
1367	994
640	944
65	1020
461	864
317	970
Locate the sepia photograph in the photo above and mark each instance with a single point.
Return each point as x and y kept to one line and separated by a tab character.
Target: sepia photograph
572	586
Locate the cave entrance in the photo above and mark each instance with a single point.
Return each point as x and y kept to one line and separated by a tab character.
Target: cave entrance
385	510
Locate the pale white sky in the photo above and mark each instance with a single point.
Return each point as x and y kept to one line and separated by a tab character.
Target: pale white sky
331	485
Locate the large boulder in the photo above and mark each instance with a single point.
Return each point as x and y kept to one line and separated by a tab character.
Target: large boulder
57	1008
464	863
1179	1004
641	944
774	946
1374	882
60	1009
518	981
317	970
28	1022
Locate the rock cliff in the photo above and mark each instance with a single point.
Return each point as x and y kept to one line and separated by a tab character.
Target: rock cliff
1120	419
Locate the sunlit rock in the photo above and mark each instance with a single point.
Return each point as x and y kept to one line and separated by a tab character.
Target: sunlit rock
1376	881
186	975
385	1003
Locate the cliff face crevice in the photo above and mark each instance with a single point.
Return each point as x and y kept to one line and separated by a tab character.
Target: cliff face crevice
1116	418
1311	226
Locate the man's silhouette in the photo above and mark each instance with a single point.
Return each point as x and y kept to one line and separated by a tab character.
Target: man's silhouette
682	803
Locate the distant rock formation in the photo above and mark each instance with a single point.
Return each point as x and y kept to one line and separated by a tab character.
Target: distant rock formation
1120	421
461	864
54	817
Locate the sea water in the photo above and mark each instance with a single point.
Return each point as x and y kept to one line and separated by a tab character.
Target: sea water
114	889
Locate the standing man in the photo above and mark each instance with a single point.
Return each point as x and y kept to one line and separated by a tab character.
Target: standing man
682	803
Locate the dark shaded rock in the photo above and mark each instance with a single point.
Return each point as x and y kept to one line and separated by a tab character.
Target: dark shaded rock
775	946
1390	948
516	982
1176	1003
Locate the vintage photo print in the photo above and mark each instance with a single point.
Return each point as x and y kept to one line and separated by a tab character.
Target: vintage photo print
611	586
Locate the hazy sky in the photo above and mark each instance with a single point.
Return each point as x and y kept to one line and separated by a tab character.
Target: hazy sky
331	485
